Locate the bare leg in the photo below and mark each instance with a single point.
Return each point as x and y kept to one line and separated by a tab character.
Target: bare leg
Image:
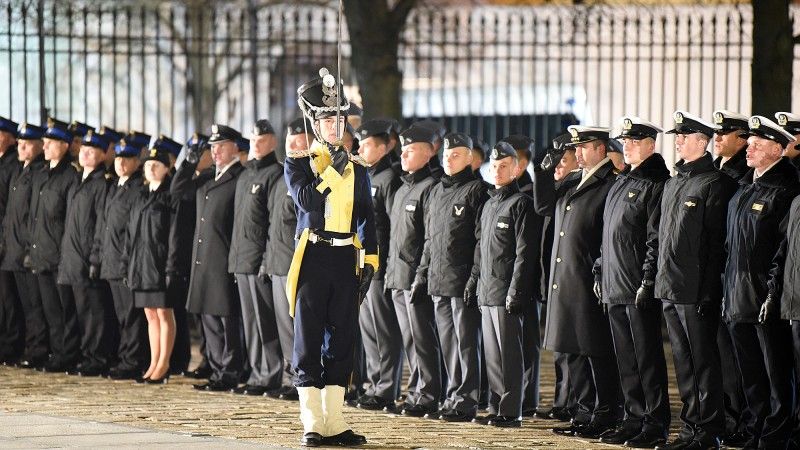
166	321
153	333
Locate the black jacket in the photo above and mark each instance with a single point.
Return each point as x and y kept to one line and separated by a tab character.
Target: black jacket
785	268
283	222
211	288
48	213
507	257
545	195
181	238
119	201
575	322
630	230
385	179
9	168
147	238
16	231
251	214
83	228
408	219
450	253
756	227
736	166
691	239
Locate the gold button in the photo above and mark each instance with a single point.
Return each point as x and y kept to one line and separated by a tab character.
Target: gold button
569	207
558	260
561	233
555	286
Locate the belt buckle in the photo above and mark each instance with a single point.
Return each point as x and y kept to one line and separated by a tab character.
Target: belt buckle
324	240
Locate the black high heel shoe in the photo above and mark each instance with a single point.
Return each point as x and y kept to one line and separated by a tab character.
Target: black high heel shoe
141	380
162	380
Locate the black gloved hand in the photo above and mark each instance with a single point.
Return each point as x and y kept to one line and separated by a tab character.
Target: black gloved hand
94	272
27	262
471	292
644	295
551	159
419	290
263	275
194	152
339	160
514	305
363	282
598	292
768	310
170	278
125	282
705	309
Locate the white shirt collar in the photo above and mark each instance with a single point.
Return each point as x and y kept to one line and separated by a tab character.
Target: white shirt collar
153	186
122	180
590	172
757	175
224	169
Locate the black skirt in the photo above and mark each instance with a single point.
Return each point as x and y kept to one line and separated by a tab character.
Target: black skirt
150	299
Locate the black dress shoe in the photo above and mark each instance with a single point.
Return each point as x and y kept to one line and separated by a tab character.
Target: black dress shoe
433	415
290	393
203	371
528	413
311	440
560	414
703	445
92	371
568	430
214	386
677	444
345	439
543	414
32	363
456	416
250	390
646	439
373	403
416	410
505	422
619	435
736	439
484	420
125	374
594	430
274	393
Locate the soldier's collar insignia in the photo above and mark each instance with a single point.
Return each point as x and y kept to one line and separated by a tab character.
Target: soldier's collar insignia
690	204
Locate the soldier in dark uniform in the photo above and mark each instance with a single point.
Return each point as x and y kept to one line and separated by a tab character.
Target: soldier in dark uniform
438	130
408	219
78	268
333	264
248	260
791	123
16	237
755	227
448	260
280	247
180	262
730	145
212	290
113	137
575	320
380	331
12	330
132	350
692	236
479	151
630	243
49	188
507	271
560	163
79	131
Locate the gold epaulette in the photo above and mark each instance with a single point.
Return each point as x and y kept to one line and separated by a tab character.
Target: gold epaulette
357	159
298	153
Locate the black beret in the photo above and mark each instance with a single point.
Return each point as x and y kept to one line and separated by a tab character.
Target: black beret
437	128
502	150
417	134
299	126
262	126
374	127
454	140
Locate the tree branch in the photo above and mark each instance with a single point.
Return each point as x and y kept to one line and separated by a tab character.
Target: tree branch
400	13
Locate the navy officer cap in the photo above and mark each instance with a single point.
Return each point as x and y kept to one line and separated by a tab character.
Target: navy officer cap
299	126
374	127
96	140
262	127
563	141
417	134
79	128
29	132
502	150
58	130
729	121
454	140
8	125
222	133
580	134
686	123
138	139
167	144
636	128
790	122
111	134
767	129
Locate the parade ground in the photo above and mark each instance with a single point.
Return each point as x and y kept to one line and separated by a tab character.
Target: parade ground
42	410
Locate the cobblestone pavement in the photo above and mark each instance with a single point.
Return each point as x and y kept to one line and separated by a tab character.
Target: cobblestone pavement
176	407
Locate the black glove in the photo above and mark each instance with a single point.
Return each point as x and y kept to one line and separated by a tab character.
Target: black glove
705	309
419	290
193	152
125	282
598	292
339	160
471	292
94	272
551	159
264	276
363	282
170	278
514	305
768	310
644	294
27	262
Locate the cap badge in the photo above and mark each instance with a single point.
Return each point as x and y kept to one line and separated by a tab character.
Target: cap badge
783	120
755	122
447	143
214	129
627	124
573	132
153	152
255	130
678	117
495	153
718	118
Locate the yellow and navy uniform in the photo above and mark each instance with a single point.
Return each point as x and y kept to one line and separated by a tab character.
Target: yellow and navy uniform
323	278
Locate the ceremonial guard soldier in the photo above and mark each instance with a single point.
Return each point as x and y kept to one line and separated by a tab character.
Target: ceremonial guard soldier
333	264
791	123
12	330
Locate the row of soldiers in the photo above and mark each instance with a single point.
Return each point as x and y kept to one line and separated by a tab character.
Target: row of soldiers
464	270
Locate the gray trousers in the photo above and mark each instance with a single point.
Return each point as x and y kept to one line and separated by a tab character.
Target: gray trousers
285	325
418	326
260	332
502	341
531	350
223	347
459	336
383	346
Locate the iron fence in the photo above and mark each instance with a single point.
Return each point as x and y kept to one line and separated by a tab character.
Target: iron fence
171	67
